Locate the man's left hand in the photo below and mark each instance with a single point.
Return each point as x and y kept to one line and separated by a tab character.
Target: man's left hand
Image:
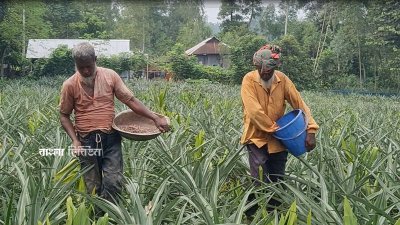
162	124
310	142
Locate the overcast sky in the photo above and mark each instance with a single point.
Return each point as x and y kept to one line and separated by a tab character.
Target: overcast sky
211	8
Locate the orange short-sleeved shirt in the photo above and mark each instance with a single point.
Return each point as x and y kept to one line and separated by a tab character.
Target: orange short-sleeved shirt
97	112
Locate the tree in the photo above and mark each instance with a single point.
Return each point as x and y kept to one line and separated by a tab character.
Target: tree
238	13
250	10
61	15
288	10
180	64
82	19
348	41
155	27
193	32
269	23
133	23
2	10
295	63
20	22
242	55
186	22
385	42
59	63
230	15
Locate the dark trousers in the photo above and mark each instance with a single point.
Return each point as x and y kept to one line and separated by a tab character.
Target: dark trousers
273	168
106	169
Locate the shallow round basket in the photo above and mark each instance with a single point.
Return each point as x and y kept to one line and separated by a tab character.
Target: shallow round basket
130	118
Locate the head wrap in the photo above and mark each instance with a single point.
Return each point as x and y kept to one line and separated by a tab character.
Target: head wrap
267	57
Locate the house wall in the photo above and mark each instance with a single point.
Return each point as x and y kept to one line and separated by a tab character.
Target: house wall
213	60
209	60
202	59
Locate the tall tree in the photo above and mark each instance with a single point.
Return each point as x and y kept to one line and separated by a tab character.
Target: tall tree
295	63
134	22
82	19
236	13
193	32
2	10
21	22
154	27
97	22
251	9
230	15
187	22
288	13
182	13
348	43
242	55
269	23
62	14
385	42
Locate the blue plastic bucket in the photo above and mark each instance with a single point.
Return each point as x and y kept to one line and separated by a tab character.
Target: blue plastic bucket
292	132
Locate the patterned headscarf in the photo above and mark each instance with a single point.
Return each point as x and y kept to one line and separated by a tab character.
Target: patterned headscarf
267	57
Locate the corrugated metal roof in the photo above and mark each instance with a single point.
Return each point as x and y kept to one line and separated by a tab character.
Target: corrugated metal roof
42	48
207	47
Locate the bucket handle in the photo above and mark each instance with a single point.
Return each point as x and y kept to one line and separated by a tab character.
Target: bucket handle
297	135
285	139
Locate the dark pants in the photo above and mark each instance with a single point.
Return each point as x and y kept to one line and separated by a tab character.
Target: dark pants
106	169
273	169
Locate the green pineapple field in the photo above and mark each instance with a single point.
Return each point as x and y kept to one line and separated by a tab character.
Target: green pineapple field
198	172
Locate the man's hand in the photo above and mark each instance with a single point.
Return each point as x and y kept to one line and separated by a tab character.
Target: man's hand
137	106
77	150
162	124
310	142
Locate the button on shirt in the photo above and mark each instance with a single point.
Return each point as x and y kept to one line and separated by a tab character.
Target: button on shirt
263	106
97	112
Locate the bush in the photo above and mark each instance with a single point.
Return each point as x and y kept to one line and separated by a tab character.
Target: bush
214	73
346	82
242	56
123	62
186	67
181	65
59	63
296	64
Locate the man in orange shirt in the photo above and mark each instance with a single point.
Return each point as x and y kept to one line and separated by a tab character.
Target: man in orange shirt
89	93
264	92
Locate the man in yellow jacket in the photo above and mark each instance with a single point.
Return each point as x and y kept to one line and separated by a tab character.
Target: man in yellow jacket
264	94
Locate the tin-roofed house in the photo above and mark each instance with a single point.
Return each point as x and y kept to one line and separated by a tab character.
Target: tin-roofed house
210	52
43	48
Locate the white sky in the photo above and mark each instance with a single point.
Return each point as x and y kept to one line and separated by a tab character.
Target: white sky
211	8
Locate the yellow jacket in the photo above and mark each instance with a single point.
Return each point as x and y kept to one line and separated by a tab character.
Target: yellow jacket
261	108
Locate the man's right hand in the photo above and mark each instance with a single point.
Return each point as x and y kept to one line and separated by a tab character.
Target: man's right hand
162	124
69	128
77	150
310	142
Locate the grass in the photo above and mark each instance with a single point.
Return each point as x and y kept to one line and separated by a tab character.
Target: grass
198	173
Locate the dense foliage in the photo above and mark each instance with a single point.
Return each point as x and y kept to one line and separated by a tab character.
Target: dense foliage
333	45
59	63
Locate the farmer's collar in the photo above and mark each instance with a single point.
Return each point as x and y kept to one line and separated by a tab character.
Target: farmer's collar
275	77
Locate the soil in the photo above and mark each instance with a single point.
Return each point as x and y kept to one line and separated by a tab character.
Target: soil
139	129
